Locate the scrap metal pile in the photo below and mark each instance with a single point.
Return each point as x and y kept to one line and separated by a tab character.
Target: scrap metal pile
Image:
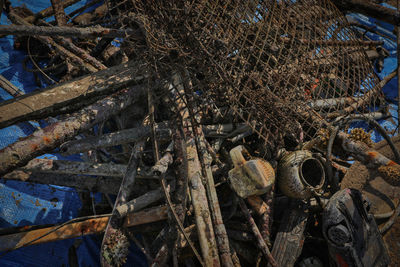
221	126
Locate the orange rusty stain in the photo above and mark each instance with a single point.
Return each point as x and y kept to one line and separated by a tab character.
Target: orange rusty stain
17	201
391	163
15	222
57	136
46	139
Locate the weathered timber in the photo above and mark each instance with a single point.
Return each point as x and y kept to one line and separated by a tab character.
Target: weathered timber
75	167
59	14
204	225
48	138
370	9
47	102
140	202
49	11
89	32
79	62
220	231
128	181
112	139
9	87
87	227
290	238
260	241
107	185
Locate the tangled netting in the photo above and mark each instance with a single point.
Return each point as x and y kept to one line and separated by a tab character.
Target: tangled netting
283	67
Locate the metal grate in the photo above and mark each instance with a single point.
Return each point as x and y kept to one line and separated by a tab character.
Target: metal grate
271	64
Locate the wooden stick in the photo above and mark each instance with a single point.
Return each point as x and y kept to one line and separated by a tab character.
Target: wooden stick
75	167
59	14
64	31
9	87
58	48
370	9
91	226
112	139
50	11
366	97
260	241
140	202
204	225
108	185
47	102
50	137
220	231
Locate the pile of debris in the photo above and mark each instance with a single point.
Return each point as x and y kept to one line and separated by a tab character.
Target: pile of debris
221	127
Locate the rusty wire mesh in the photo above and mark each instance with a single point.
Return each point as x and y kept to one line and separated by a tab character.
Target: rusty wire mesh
270	63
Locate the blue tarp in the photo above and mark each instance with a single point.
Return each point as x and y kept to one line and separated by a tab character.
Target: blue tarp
24	203
32	204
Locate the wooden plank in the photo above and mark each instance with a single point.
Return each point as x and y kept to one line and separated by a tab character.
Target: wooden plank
87	227
47	102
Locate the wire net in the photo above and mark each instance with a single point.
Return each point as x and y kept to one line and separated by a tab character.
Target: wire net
283	67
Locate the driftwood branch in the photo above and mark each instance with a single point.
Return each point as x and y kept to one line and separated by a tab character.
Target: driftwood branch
48	138
59	13
125	190
9	87
108	185
86	227
64	31
204	225
370	9
112	139
48	102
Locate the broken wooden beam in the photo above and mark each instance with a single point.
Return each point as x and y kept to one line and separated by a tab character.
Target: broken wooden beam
107	185
47	102
77	229
64	31
46	139
113	139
